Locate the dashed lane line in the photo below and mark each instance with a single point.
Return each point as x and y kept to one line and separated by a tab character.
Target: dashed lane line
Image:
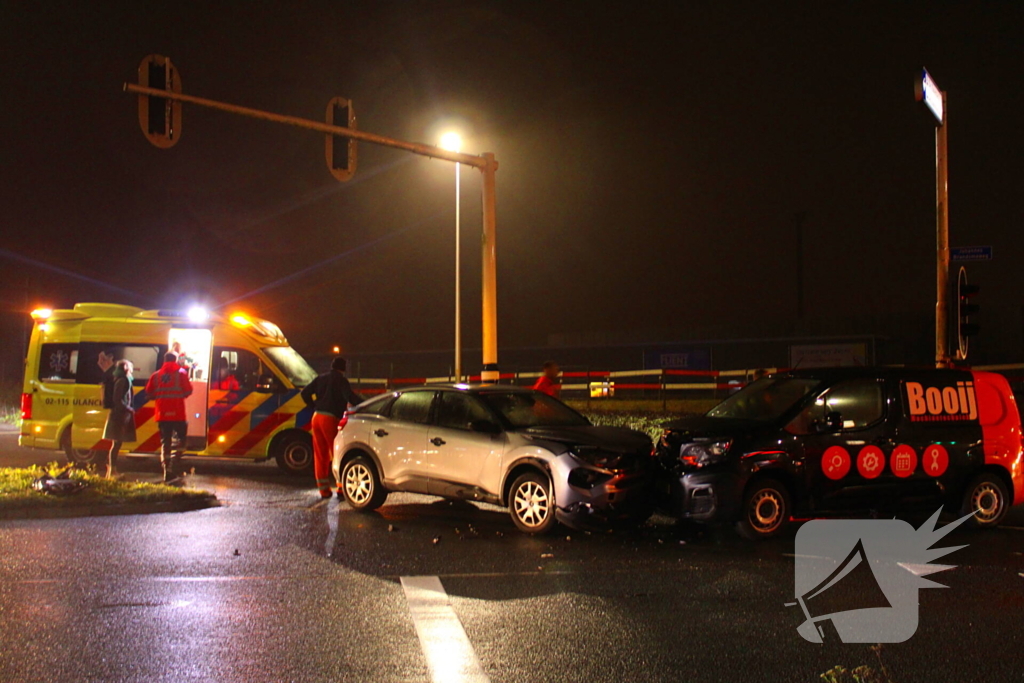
449	654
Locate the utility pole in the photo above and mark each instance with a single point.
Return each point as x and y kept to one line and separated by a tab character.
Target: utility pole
927	90
160	134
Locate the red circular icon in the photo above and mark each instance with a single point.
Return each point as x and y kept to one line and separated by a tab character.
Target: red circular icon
903	461
870	462
935	460
835	463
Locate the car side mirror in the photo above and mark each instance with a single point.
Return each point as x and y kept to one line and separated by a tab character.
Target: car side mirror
485	427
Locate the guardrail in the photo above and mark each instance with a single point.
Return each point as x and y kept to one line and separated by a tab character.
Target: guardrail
595	383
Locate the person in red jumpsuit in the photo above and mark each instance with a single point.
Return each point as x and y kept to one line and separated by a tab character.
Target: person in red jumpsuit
170	387
329	396
548	382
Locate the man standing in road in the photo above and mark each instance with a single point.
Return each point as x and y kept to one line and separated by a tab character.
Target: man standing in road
548	382
329	396
169	386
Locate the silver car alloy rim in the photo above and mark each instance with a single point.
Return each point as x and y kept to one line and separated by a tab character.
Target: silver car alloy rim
986	502
531	504
297	455
766	510
358	483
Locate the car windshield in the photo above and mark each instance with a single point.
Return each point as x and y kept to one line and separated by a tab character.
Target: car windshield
765	400
294	366
532	409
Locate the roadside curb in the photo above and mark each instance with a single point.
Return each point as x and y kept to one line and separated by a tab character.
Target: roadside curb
108	509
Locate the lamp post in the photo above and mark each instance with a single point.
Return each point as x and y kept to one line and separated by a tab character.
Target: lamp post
452	142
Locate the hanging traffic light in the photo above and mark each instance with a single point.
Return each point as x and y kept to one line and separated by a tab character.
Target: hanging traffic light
159	117
341	152
964	310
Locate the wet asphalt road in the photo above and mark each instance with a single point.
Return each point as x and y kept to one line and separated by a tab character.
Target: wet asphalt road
314	593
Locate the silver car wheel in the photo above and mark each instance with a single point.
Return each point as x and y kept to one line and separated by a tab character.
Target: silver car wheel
532	504
766	510
987	502
358	483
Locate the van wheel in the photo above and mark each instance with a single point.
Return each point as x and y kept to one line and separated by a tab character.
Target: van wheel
532	503
987	498
766	510
294	453
361	484
81	457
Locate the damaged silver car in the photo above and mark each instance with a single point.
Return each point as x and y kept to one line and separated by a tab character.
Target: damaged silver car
508	446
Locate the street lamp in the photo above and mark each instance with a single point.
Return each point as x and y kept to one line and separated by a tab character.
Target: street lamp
452	142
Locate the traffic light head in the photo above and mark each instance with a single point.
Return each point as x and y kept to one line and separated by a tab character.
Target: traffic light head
340	151
965	308
159	117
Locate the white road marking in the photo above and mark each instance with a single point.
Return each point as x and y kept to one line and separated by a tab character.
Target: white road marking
809	557
450	656
332	534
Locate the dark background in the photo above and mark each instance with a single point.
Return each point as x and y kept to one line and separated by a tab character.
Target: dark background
652	158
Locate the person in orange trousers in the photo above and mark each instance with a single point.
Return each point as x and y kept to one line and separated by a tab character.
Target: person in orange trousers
329	396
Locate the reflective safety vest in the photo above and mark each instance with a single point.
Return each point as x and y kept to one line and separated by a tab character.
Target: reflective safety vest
170	387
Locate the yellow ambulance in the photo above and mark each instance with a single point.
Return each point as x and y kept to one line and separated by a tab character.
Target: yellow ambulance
246	381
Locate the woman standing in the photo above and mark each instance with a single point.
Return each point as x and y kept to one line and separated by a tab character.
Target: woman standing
120	427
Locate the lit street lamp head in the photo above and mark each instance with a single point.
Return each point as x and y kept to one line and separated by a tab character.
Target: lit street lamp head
451	141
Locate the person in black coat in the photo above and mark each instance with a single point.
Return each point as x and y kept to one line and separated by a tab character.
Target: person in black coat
120	426
328	396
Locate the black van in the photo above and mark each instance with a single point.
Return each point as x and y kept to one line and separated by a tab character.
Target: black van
847	441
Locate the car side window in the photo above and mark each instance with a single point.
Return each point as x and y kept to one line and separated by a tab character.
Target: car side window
235	369
376	406
412	406
457	410
859	402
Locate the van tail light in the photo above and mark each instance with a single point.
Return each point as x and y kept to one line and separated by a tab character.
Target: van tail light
26	406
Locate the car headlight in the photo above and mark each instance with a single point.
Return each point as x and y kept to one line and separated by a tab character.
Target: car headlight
702	454
597	457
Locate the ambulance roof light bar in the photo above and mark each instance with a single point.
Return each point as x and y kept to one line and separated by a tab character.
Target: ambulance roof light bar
198	314
42	313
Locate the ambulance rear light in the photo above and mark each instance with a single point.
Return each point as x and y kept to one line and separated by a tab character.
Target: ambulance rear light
26	406
42	314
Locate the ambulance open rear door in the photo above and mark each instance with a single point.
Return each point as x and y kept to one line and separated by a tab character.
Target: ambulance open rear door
195	346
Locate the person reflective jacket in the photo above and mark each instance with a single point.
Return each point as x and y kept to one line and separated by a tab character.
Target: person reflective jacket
169	386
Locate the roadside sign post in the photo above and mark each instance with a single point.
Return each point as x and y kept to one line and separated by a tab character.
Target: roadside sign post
342	166
927	90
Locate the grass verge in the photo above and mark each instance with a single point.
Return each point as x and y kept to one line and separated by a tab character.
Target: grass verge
100	497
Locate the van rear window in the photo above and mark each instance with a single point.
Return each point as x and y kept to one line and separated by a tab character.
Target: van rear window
58	362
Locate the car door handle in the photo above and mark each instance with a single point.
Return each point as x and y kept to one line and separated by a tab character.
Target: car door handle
380	432
437	441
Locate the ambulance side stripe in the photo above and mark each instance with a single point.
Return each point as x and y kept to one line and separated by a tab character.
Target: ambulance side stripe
242	446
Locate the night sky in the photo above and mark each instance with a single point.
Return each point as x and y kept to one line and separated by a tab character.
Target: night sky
652	158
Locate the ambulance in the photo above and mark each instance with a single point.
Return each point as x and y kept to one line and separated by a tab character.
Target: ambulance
246	381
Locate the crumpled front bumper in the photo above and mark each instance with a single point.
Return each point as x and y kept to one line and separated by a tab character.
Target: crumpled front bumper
700	496
625	498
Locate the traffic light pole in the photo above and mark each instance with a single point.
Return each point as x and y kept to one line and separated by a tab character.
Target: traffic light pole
485	163
942	357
